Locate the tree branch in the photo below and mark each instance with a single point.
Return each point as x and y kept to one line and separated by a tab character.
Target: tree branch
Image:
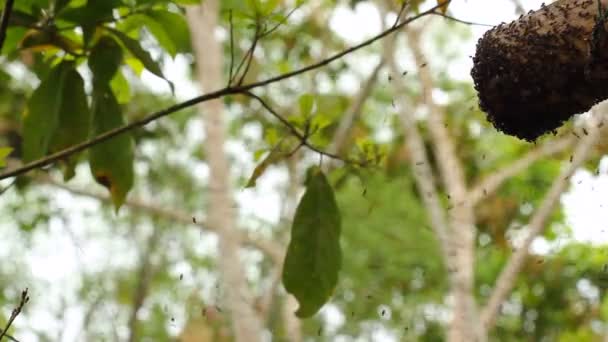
16	311
229	90
272	250
303	137
492	182
353	112
537	224
4	19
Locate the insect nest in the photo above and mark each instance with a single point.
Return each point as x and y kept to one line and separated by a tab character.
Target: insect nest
534	73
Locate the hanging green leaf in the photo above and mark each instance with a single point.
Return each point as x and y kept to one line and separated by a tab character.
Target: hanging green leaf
42	113
142	55
111	161
4	152
74	122
105	59
314	257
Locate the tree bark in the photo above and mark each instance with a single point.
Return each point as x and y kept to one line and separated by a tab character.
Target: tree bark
238	299
536	72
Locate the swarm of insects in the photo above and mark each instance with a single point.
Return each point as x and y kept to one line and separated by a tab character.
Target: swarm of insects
535	73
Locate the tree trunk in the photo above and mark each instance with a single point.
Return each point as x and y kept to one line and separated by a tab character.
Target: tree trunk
237	296
538	71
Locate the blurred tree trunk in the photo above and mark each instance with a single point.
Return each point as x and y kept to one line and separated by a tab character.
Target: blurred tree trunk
237	297
461	223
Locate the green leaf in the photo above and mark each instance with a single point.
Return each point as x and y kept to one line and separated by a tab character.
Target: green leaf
307	103
314	257
19	18
90	13
14	35
105	59
74	122
42	114
170	30
142	55
269	6
188	2
4	152
120	87
60	4
111	162
275	155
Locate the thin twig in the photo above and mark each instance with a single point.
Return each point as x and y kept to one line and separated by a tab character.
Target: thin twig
230	75
471	23
24	299
353	112
174	215
249	55
280	23
400	13
303	137
6	16
203	98
11	338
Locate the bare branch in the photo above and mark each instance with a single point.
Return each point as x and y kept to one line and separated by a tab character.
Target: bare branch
470	23
353	112
303	137
231	72
248	58
16	311
274	251
537	224
203	98
492	182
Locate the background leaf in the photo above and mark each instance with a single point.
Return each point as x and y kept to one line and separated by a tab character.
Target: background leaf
105	59
4	152
314	257
142	55
42	114
444	5
170	30
74	122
